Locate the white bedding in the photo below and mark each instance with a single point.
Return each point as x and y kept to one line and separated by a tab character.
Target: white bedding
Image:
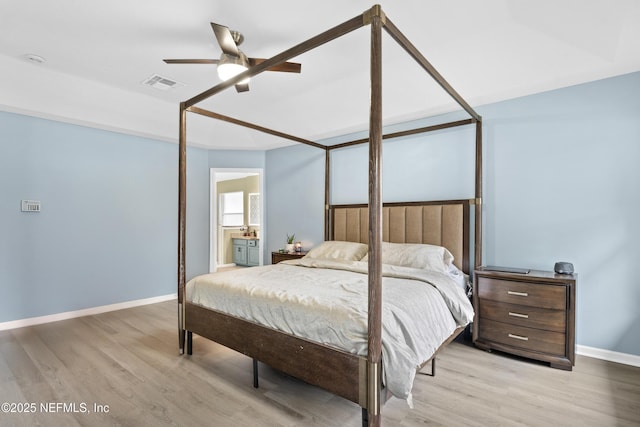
326	301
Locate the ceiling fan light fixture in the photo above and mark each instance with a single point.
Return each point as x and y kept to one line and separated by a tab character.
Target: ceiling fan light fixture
230	66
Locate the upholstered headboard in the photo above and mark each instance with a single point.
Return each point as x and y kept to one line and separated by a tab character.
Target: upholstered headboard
442	223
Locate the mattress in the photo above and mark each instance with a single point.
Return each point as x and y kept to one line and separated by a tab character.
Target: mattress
326	301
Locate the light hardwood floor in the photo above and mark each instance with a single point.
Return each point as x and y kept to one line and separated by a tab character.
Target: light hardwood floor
127	363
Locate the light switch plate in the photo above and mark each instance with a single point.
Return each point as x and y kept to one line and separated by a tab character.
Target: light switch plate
30	205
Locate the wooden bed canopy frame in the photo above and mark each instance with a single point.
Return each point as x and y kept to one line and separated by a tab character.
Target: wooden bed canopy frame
350	376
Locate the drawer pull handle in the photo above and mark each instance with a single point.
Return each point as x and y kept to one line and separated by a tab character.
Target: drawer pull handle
519	337
518	294
523	316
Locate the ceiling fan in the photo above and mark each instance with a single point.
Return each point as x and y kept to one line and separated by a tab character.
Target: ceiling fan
233	61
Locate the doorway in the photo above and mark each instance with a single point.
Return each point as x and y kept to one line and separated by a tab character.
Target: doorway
228	186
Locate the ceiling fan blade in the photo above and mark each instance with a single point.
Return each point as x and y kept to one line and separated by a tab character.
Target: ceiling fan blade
225	39
191	61
287	67
242	87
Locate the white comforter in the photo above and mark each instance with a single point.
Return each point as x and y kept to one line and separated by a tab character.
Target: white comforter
326	301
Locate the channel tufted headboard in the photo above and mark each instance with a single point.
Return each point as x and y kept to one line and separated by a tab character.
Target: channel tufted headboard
442	223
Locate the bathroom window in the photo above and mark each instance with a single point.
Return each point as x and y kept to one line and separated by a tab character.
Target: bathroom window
232	209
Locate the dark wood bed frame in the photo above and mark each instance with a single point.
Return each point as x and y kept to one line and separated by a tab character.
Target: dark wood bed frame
353	377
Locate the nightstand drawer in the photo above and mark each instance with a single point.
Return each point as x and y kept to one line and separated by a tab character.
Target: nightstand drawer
552	343
521	293
523	315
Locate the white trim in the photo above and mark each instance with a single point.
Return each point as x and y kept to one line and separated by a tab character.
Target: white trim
608	355
13	324
233	264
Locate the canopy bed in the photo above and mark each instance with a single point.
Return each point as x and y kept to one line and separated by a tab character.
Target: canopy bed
366	229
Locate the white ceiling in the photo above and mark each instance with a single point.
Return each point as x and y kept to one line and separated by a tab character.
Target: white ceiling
98	53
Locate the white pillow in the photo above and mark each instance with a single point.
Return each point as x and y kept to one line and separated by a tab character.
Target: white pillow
416	255
338	250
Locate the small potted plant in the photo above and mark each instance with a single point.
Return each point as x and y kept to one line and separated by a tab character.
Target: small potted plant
290	247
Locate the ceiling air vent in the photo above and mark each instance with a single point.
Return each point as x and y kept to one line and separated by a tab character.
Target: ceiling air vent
161	83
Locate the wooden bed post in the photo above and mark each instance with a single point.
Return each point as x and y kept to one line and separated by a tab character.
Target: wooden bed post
327	192
182	219
374	349
478	207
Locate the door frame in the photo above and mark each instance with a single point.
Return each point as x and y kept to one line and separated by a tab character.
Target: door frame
213	211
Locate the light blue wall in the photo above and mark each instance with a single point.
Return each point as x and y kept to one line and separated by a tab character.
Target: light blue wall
561	184
240	159
107	232
438	168
413	168
294	196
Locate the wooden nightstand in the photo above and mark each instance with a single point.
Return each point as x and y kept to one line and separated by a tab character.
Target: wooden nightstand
530	315
277	257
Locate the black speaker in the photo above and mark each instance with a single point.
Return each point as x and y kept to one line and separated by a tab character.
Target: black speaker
563	268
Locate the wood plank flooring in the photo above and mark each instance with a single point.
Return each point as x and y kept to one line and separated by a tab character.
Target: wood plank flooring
123	369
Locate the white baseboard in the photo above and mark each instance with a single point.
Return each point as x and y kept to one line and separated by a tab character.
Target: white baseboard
85	312
608	355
